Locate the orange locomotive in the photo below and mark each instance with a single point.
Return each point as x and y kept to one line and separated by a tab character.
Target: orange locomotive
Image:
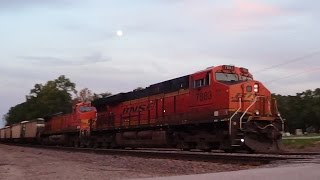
69	129
218	108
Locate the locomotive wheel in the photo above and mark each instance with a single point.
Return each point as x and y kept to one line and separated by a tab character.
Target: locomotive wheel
113	145
96	145
184	146
76	143
229	150
204	146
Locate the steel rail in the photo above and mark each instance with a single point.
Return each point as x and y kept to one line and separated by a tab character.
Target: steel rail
184	155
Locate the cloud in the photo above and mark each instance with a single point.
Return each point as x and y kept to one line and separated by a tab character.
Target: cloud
54	61
18	4
235	15
245	8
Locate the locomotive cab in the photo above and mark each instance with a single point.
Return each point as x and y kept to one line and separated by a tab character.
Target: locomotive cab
240	105
86	114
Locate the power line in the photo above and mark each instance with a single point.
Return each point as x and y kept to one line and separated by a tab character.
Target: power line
295	74
290	61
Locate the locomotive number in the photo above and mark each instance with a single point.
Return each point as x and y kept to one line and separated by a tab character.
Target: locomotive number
204	96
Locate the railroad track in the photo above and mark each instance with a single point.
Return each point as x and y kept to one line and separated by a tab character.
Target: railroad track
301	153
190	156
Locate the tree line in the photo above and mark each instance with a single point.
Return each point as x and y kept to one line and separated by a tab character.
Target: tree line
55	96
301	111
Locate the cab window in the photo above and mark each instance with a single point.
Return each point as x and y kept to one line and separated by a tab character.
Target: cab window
220	76
245	78
202	82
86	109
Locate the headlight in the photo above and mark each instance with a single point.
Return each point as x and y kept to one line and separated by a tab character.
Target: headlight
256	88
242	140
257	113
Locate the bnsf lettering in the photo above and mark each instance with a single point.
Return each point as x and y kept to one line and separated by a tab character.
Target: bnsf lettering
204	96
137	109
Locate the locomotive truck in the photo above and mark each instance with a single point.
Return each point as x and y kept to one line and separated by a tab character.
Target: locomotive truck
220	107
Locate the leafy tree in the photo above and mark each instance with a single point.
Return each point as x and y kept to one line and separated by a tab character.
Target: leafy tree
138	89
302	111
52	97
16	114
102	95
85	95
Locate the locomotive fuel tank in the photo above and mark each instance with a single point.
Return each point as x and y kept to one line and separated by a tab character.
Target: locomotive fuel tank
58	139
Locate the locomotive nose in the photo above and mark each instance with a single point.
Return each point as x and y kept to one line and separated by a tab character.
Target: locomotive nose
252	86
252	89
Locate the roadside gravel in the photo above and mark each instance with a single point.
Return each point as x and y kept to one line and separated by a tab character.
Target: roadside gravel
32	164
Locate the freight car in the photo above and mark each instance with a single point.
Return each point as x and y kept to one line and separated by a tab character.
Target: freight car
32	129
2	135
25	131
7	133
16	131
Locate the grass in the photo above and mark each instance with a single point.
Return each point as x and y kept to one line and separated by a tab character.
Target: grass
301	143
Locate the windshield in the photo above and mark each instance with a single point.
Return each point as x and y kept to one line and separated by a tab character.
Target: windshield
245	78
86	108
226	77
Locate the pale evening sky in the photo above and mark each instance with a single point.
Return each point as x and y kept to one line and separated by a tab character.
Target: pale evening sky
162	39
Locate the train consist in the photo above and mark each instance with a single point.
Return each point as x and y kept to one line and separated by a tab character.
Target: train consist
217	108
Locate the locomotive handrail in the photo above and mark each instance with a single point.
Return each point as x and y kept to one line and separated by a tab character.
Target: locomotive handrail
230	120
278	114
282	121
244	113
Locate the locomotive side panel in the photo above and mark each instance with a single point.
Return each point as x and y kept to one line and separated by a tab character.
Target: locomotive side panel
159	110
182	105
70	122
169	109
55	124
153	112
220	97
117	111
201	104
63	123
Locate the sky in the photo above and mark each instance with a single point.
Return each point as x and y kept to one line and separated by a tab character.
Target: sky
278	41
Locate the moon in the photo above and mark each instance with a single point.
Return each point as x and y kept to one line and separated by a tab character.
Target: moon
119	33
